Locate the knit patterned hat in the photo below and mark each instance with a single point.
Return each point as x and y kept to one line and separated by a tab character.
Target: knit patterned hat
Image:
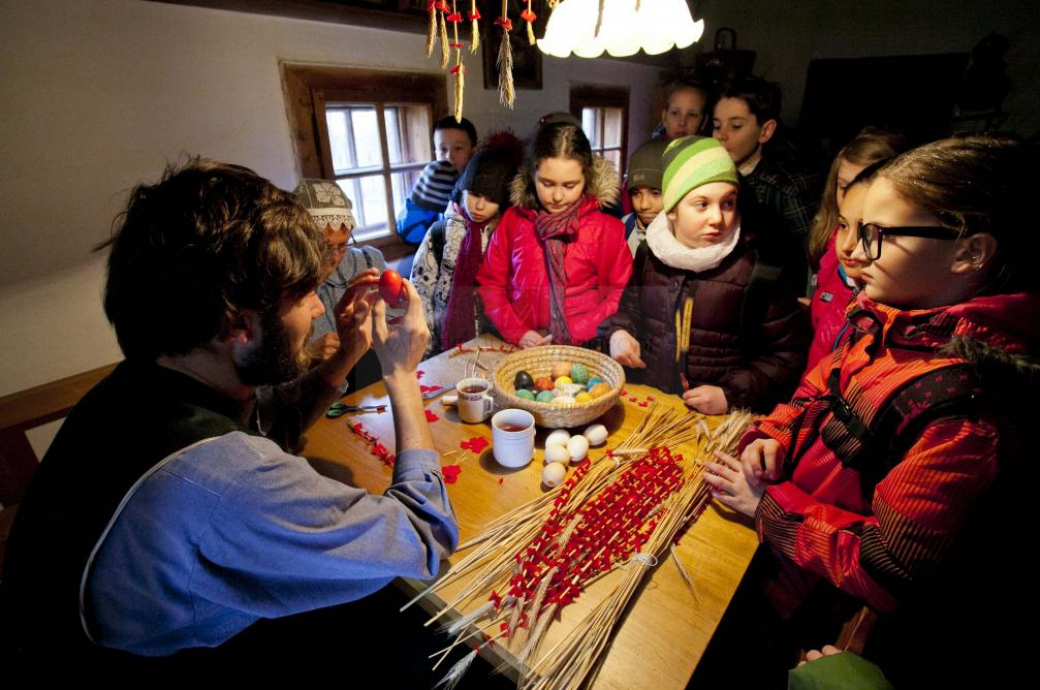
691	162
432	191
645	168
326	202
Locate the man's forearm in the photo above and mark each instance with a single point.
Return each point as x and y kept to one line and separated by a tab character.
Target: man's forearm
410	426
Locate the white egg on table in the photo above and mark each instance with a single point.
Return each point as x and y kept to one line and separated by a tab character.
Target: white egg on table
578	447
557	452
596	434
560	436
554	474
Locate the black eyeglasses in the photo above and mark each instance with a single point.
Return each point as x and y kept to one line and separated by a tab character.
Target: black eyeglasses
871	234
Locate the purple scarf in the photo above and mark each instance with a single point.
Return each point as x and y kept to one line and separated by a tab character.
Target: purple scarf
555	230
460	313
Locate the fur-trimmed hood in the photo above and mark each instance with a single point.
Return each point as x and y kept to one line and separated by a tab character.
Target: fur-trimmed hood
603	184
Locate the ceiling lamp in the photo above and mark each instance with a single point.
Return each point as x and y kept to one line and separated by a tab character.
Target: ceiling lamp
624	27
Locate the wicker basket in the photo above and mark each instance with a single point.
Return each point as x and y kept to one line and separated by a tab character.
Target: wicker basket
538	361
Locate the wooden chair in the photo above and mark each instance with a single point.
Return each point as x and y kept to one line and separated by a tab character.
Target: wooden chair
26	410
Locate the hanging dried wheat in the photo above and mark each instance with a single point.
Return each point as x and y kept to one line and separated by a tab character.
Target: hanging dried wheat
506	94
474	39
431	33
460	86
529	17
445	55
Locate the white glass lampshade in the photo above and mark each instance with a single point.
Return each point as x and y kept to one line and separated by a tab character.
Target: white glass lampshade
655	28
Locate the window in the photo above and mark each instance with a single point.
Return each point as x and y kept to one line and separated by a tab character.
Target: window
604	118
369	131
378	151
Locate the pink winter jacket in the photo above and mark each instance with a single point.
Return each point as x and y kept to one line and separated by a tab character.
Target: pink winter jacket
829	304
514	282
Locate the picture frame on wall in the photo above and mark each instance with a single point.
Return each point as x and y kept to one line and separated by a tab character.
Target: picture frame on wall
527	58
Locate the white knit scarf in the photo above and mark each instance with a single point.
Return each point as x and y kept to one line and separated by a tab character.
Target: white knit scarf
672	252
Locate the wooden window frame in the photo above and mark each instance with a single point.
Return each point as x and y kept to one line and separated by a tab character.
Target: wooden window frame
604	97
309	87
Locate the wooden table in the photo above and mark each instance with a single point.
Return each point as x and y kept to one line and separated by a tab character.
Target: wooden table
667	630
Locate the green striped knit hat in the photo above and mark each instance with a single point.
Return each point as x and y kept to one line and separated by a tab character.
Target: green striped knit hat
690	162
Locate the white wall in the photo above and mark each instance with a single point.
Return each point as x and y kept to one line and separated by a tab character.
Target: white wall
98	95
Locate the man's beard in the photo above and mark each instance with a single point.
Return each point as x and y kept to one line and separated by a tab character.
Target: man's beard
272	360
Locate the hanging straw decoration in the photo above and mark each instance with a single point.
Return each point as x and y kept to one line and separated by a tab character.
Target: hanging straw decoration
445	54
474	17
431	33
459	70
506	94
529	17
621	512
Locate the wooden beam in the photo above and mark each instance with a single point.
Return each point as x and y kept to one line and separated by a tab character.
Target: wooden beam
392	18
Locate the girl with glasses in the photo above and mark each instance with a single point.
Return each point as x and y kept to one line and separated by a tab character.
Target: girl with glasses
893	478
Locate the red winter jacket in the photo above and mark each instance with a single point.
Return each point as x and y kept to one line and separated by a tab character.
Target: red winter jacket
876	545
514	280
829	304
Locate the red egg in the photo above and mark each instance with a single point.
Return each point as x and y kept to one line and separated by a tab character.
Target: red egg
391	287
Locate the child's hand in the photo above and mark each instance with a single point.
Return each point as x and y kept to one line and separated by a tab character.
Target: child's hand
732	486
762	459
534	339
707	399
625	350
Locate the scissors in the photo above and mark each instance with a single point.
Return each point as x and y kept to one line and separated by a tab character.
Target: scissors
338	409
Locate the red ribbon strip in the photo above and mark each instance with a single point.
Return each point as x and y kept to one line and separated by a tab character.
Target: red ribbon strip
505	22
450	473
528	15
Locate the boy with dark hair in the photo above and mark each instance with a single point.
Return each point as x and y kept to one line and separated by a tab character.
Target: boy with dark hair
746	121
165	516
643	180
454	142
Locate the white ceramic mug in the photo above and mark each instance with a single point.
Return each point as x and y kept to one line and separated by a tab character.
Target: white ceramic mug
475	403
512	435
